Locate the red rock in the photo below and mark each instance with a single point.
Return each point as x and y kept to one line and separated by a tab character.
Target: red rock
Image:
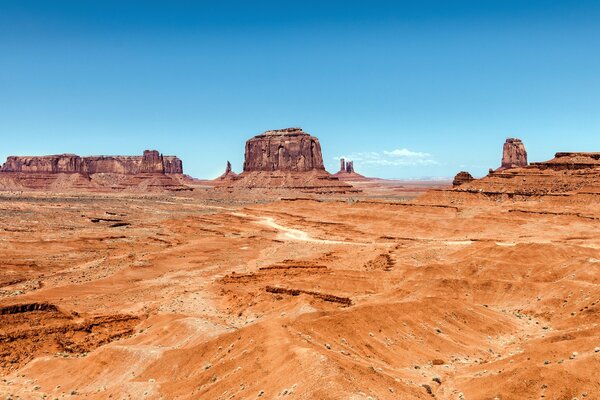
150	172
347	173
285	159
570	161
151	162
228	174
565	174
289	149
462	177
513	154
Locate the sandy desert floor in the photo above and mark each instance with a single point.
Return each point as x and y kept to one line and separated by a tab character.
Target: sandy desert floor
183	297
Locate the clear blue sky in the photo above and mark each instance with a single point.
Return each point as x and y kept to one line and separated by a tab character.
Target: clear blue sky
406	88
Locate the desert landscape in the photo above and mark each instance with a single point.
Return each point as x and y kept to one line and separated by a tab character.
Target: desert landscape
123	278
299	200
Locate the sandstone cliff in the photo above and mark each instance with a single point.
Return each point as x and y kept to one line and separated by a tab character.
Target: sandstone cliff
228	174
289	149
150	162
287	159
513	154
67	172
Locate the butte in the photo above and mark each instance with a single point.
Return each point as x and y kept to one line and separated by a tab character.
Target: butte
288	159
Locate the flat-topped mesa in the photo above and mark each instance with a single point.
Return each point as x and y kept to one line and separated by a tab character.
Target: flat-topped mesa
150	162
284	159
514	154
570	161
289	149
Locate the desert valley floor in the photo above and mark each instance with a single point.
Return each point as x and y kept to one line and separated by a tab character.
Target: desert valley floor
179	296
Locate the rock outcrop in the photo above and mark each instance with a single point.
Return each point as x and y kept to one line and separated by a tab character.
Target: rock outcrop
289	149
288	159
514	154
346	166
462	177
347	173
228	174
567	174
150	162
150	172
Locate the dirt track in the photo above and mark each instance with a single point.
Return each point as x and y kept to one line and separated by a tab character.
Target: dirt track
178	297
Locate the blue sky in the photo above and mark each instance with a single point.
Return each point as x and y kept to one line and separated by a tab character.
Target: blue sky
406	88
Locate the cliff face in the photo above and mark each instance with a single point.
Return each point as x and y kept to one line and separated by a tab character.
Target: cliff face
151	162
288	149
288	159
514	154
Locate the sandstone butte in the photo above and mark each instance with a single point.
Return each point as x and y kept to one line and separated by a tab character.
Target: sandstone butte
151	171
289	159
513	154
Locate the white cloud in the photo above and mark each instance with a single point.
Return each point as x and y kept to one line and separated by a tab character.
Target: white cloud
396	157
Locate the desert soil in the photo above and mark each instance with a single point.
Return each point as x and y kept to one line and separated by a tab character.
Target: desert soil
184	297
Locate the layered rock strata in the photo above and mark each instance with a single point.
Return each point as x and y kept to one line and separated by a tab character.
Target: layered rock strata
150	162
66	172
565	175
285	159
514	154
289	149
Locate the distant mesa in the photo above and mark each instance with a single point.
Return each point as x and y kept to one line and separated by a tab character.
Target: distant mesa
285	159
150	162
514	154
571	161
148	172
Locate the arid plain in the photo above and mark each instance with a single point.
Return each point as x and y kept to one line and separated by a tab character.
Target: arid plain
181	297
390	291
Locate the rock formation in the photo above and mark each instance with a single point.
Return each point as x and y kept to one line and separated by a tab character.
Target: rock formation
289	149
565	175
350	167
150	172
285	159
462	177
513	154
346	167
228	174
150	162
347	173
